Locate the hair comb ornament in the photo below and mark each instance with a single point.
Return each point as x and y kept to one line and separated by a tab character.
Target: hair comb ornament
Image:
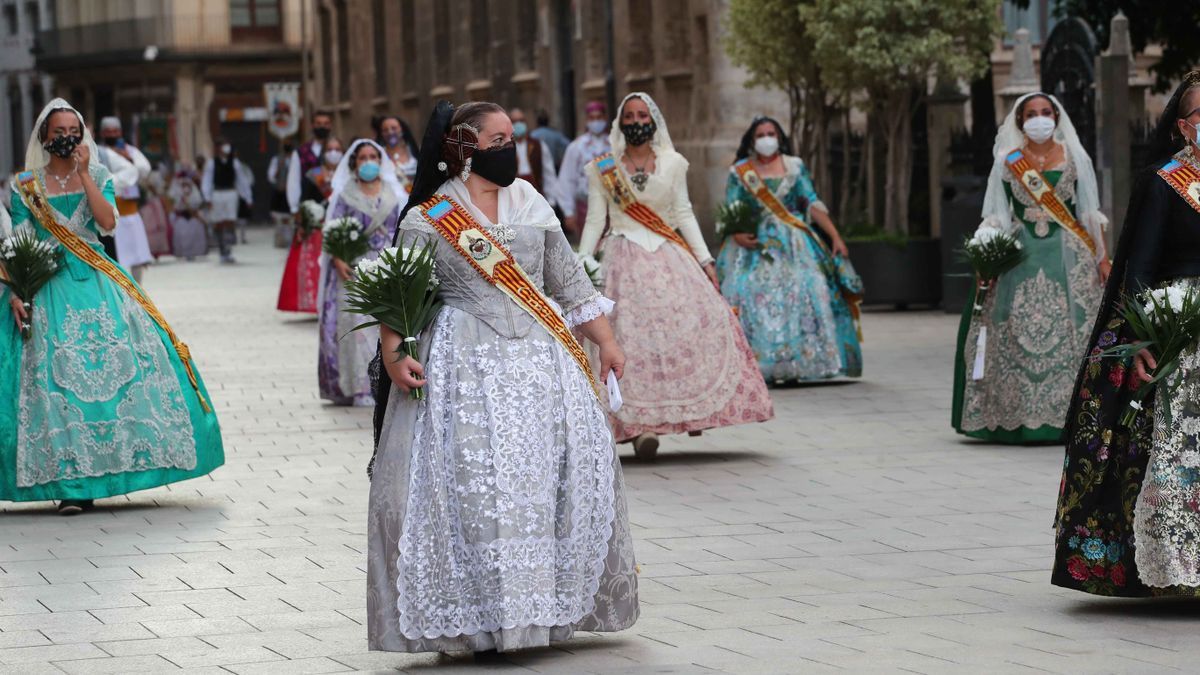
460	143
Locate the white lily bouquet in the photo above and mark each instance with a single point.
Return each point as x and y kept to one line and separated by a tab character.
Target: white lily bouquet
595	270
311	216
1167	322
990	252
397	290
345	239
28	264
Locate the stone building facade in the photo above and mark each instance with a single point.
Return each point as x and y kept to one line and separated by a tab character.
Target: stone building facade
401	56
23	89
186	60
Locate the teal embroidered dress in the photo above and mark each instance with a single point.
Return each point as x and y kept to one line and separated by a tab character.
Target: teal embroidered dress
793	312
97	402
1038	317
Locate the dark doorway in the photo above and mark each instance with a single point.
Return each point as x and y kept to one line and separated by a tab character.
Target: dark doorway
249	140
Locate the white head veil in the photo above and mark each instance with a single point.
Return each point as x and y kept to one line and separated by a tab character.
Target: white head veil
343	174
660	141
996	209
35	156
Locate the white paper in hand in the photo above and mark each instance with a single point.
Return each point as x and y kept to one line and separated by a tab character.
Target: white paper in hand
614	392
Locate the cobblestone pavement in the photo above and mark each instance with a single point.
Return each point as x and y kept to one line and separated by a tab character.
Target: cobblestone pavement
855	532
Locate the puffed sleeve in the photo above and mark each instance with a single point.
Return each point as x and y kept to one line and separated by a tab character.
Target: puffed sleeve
569	284
1148	215
597	212
682	215
805	190
20	213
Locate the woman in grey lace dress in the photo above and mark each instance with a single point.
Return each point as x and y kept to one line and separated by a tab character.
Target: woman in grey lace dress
497	511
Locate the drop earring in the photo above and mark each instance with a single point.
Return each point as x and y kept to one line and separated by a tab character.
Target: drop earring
466	171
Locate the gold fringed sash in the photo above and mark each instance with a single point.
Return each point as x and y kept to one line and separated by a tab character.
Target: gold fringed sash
34	198
496	265
621	194
1038	188
756	186
1184	179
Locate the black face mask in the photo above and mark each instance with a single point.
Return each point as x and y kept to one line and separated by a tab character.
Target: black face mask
111	140
62	146
498	165
321	133
639	134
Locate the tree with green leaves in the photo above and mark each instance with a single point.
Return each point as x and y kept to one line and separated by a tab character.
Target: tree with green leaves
892	50
765	38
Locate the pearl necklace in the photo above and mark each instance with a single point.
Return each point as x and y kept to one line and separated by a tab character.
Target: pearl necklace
62	180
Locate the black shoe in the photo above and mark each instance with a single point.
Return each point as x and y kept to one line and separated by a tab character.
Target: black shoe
73	507
645	447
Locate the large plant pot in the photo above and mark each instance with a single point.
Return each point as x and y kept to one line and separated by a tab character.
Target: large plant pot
899	274
962	201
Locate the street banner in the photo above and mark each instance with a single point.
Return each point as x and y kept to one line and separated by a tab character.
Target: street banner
283	106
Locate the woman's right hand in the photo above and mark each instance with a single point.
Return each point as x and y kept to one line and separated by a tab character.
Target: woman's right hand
343	269
18	310
746	240
1143	366
406	372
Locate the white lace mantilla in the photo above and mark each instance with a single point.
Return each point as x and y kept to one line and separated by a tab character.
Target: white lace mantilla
1166	521
511	498
95	401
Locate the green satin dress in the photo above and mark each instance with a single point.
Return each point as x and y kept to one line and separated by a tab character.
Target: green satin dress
97	402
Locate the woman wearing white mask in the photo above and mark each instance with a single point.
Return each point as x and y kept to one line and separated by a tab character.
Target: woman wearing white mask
799	316
1018	354
365	187
298	290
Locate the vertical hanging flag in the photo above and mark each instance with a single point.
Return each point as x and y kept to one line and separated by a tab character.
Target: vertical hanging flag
283	108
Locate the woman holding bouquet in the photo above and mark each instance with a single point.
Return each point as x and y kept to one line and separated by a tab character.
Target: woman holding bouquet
783	278
365	187
103	399
1020	342
690	367
1127	521
302	273
497	511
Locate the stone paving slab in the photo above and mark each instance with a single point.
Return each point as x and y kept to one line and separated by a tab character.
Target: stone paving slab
855	532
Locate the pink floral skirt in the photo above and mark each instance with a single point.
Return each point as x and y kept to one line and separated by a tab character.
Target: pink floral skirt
688	366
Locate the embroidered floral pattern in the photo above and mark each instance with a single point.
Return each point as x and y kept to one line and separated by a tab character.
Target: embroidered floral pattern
141	422
1167	516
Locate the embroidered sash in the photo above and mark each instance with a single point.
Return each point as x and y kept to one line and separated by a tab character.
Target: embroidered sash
1043	194
618	189
35	198
758	187
496	265
1184	179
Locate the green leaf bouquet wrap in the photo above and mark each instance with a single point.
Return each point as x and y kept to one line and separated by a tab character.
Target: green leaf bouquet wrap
397	290
990	252
28	263
1166	321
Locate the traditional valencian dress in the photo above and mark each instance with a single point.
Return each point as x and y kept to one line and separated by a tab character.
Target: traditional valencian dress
1035	320
300	286
103	399
497	511
799	320
1128	514
689	367
344	356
